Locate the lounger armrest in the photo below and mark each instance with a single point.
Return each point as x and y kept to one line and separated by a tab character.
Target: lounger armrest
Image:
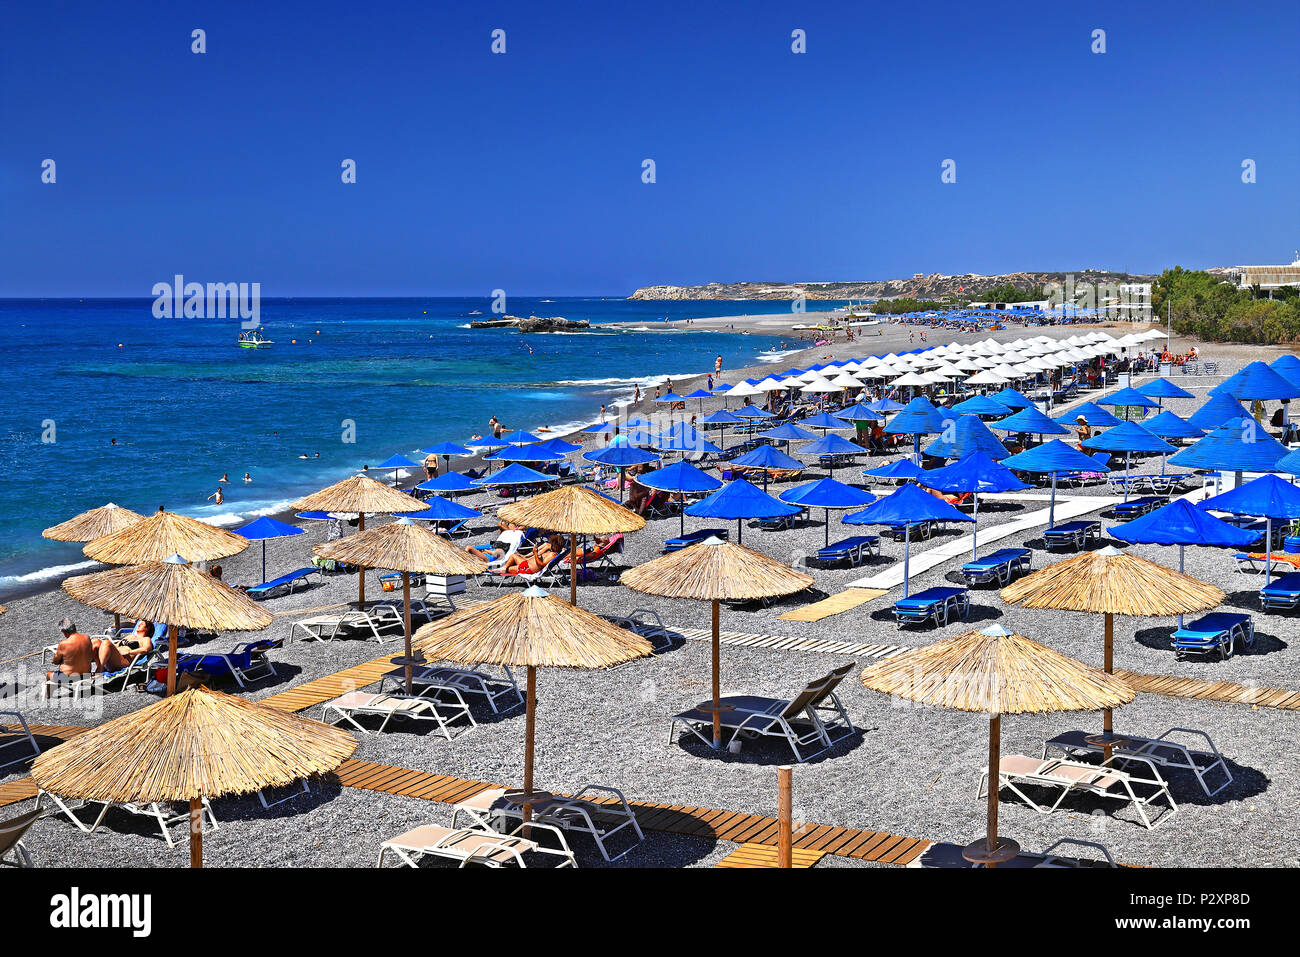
1125	757
1195	732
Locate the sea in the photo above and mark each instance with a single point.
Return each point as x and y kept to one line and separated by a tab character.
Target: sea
104	402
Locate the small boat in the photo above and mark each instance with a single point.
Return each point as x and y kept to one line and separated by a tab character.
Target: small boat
253	340
476	312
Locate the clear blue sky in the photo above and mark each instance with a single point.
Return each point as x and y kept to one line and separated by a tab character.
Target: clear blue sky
523	171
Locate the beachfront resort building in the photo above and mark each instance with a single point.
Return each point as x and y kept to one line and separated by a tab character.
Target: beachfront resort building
1269	277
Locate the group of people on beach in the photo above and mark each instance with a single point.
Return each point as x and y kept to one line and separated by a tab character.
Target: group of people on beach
79	654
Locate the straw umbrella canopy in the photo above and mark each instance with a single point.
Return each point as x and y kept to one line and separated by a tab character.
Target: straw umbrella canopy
162	535
995	672
572	510
715	571
405	546
1113	583
530	630
197	744
173	593
93	524
359	494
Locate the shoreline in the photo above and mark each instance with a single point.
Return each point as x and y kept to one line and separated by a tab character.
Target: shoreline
768	325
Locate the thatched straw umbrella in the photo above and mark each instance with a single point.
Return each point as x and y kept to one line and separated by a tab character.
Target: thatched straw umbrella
93	524
572	510
405	546
716	571
995	672
197	744
530	630
173	593
1112	583
161	535
359	494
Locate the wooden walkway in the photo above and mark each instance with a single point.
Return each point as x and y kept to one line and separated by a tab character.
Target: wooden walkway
764	855
328	688
854	649
833	604
1229	692
20	789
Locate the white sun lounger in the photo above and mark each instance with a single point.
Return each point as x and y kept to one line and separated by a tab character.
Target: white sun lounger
1162	751
388	706
646	623
166	819
12	850
468	845
382	621
1106	780
19	738
463	681
587	812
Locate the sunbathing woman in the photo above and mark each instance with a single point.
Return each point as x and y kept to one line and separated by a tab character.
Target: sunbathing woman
114	657
539	559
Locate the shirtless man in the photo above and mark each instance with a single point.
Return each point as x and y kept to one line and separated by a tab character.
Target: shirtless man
75	651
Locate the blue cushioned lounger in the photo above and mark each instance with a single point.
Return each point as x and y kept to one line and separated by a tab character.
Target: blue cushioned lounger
1136	507
1281	592
1219	632
999	566
289	581
853	549
692	538
938	603
1072	534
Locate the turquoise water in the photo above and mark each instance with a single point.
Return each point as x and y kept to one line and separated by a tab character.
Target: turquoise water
186	405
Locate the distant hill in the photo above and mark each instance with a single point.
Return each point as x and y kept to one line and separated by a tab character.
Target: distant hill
933	286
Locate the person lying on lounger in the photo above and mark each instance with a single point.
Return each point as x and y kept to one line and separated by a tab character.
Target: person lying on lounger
114	656
539	559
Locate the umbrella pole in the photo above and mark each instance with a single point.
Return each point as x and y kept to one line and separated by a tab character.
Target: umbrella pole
361	572
1181	549
717	691
1051	506
1268	550
621	471
1127	458
196	832
995	749
406	602
827	513
263	559
907	554
173	638
529	723
1107	724
975	530
573	569
740	532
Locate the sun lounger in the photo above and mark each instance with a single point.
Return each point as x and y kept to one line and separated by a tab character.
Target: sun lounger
244	662
777	524
918	530
547	574
1074	535
387	705
20	739
1219	631
58	684
382	622
1106	780
468	846
1052	859
596	810
693	538
1163	751
462	681
1136	507
165	819
1282	592
939	603
855	549
646	623
810	723
12	850
285	583
1000	566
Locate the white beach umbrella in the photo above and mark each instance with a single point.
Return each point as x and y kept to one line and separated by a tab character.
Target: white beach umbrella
987	377
914	379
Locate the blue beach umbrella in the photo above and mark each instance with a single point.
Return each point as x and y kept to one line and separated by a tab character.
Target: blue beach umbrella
680	477
1169	426
967	436
397	463
1161	389
1216	410
514	475
537	452
1053	458
788	432
519	438
1129	437
919	417
562	446
1289	463
671	397
975	473
621	457
753	412
858	412
1267	497
886	405
444	510
897	469
700	394
1128	398
682	437
1013	399
824	420
740	500
1093	414
1288	367
767	457
980	405
598	427
908	504
446	450
1257	381
1238	445
831	445
1181	523
722	419
1030	421
448	482
264	528
827	494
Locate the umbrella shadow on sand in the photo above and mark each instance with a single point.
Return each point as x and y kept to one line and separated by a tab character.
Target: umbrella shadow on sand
1160	639
295	801
767	750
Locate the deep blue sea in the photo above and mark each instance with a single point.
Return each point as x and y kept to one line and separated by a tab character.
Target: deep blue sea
186	405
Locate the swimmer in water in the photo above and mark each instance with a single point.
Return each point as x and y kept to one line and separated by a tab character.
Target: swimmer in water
247	477
218	496
225	477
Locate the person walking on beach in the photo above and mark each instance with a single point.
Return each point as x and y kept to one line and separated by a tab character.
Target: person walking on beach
709	383
636	393
218	496
717	366
430	467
